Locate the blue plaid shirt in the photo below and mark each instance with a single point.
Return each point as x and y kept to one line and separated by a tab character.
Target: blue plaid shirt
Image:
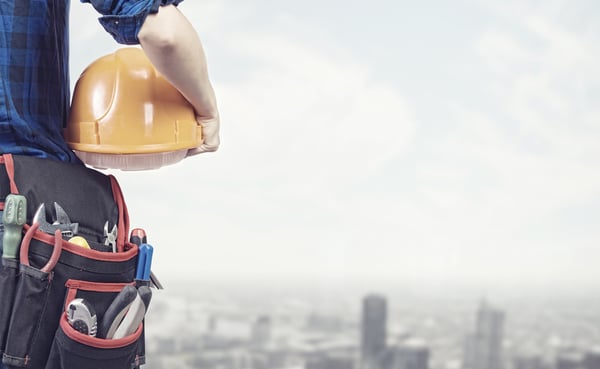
124	18
34	68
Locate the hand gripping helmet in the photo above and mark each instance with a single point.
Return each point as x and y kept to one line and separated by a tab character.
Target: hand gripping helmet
125	115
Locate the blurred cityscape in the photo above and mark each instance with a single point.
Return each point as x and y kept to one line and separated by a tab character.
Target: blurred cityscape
315	328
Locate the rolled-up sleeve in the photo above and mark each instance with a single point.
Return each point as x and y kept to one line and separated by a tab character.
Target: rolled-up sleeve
124	18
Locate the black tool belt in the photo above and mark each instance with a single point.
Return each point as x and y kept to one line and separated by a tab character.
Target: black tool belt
35	287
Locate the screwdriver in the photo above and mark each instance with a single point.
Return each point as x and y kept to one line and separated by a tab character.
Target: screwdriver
13	217
138	237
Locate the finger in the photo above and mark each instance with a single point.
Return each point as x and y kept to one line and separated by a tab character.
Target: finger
201	149
210	135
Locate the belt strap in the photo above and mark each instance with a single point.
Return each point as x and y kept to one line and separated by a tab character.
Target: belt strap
9	164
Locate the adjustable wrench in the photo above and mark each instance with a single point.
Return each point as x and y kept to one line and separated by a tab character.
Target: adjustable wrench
62	223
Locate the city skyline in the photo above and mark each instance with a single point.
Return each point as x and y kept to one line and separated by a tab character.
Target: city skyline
304	334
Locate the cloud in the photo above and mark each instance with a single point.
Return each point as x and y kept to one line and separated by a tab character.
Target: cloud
303	113
326	171
548	83
528	163
507	194
299	127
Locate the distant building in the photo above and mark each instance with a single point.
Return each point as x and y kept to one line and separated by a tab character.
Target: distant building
373	330
528	361
165	345
261	331
211	324
330	361
591	360
483	348
570	359
410	354
325	323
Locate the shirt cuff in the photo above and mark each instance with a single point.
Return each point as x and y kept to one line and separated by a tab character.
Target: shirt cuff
124	28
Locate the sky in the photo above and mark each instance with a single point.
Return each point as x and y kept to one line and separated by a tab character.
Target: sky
439	142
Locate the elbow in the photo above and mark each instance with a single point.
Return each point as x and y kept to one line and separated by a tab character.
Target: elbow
162	31
159	40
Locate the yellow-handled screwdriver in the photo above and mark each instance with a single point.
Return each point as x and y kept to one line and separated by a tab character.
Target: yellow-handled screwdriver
13	217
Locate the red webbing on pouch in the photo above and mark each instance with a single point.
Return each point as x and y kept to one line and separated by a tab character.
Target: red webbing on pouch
74	285
8	162
123	214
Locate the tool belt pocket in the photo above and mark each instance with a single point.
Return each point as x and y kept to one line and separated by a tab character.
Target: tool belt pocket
28	306
43	286
73	349
9	272
49	271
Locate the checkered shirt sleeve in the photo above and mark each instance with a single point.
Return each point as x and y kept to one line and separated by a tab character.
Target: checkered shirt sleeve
124	18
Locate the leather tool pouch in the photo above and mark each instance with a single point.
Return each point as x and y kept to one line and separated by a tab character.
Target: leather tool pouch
34	292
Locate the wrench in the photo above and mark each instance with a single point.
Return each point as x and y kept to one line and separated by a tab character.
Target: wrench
62	223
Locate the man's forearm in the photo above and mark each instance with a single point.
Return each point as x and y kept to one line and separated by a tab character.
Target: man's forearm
174	48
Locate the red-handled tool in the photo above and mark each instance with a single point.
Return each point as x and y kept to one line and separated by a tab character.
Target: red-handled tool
138	236
24	253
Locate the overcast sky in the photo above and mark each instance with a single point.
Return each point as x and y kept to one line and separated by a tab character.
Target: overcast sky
410	141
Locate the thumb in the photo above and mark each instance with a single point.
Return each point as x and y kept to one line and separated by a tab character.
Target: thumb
210	136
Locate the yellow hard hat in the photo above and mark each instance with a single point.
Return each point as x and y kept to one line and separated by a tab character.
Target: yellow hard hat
125	115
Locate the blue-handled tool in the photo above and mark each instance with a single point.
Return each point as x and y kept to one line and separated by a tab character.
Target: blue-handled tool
144	262
138	237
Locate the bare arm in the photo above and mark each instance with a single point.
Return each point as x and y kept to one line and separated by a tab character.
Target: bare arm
174	48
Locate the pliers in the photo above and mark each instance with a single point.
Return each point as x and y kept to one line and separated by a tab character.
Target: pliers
24	253
61	228
111	237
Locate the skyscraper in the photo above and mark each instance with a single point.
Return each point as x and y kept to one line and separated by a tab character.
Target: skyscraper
528	361
410	354
569	358
483	349
261	331
373	332
330	361
591	359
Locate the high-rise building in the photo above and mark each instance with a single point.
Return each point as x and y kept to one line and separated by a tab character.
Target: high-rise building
591	359
411	354
528	361
483	348
330	361
569	358
261	331
373	330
